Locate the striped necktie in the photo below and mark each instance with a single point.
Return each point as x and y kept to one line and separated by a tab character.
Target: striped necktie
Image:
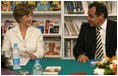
99	45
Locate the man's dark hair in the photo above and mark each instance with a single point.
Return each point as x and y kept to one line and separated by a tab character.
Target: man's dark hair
100	8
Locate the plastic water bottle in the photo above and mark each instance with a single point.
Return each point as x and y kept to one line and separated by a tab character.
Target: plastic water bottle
37	69
16	57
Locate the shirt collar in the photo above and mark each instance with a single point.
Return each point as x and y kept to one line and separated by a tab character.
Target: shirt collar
16	29
103	26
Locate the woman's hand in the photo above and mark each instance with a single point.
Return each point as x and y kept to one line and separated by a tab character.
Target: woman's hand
31	55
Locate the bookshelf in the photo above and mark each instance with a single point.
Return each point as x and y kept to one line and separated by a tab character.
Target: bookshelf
78	18
60	16
37	13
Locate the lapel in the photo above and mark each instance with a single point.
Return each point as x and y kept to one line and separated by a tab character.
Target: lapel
28	33
18	33
108	35
93	39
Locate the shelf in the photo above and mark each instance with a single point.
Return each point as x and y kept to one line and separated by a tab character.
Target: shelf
76	15
112	15
37	13
83	15
51	35
52	13
48	35
71	37
47	12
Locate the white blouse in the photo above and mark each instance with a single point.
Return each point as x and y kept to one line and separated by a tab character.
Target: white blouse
33	42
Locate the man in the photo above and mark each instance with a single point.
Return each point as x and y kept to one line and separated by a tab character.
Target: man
94	43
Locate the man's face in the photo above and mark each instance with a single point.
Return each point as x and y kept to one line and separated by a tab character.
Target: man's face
93	19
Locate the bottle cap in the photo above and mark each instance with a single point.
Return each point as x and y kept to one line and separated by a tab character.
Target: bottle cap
15	45
37	61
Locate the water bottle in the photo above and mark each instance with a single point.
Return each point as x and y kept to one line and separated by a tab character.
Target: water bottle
16	57
37	69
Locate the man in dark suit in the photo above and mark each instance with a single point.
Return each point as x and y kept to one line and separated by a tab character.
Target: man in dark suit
87	45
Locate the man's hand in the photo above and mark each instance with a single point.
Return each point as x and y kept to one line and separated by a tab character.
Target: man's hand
83	58
33	57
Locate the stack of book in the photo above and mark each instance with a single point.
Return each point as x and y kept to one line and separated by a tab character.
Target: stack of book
74	7
47	27
68	51
8	6
72	28
81	7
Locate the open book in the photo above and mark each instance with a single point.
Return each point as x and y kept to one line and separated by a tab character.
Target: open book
52	70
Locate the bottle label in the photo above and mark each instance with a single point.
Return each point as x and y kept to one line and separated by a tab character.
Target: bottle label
16	60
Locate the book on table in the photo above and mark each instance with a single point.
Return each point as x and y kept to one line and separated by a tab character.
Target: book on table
52	70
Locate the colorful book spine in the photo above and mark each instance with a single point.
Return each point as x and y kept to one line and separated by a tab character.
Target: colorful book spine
47	26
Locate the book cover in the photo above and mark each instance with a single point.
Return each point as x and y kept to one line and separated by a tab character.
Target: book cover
43	5
14	3
69	49
85	6
52	70
8	25
39	25
80	8
33	4
55	6
54	27
65	49
76	27
68	28
114	7
52	46
47	26
74	7
6	6
12	24
68	7
73	28
41	28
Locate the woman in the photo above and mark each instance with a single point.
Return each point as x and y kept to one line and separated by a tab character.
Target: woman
28	38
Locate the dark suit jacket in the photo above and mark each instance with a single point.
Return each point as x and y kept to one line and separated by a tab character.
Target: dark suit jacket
86	41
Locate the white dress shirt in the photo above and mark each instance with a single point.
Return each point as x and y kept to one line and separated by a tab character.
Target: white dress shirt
103	36
33	42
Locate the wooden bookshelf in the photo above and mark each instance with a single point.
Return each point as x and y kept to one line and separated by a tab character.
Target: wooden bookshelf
61	16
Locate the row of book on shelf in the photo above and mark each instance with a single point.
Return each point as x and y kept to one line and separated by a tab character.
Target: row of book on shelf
36	5
46	27
71	27
81	7
68	48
